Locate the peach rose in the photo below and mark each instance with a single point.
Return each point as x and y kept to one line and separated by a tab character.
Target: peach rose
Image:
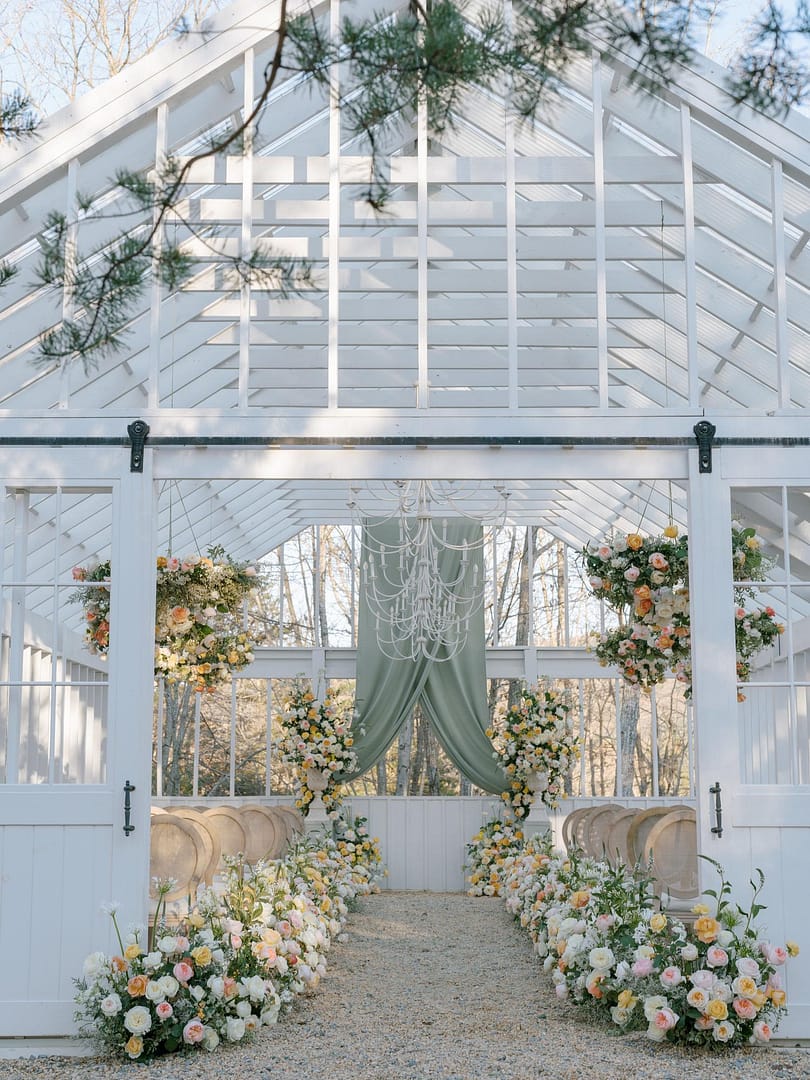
706	929
744	1008
194	1031
634	541
134	1046
136	987
183	971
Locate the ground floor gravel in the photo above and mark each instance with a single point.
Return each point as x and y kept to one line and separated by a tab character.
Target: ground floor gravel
435	987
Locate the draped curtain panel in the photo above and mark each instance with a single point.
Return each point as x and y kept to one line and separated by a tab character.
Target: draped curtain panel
452	693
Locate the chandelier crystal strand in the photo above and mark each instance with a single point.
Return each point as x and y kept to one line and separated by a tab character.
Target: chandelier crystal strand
420	605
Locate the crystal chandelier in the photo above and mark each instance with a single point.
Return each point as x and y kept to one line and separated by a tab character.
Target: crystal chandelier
422	567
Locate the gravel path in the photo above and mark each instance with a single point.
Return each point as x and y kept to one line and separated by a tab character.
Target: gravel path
435	987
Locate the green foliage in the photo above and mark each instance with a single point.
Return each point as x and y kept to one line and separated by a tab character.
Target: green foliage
17	118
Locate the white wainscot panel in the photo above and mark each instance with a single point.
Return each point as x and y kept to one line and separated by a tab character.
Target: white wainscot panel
53	879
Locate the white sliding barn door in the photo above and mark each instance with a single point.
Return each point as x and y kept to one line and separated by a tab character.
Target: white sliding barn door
73	728
757	749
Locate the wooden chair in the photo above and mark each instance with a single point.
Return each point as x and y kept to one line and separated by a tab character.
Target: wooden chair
673	844
226	823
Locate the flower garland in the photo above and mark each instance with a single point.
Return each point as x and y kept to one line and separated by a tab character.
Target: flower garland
316	735
645	580
231	967
492	844
196	600
536	747
604	945
359	849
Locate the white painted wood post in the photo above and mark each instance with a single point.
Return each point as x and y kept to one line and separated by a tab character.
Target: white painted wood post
132	666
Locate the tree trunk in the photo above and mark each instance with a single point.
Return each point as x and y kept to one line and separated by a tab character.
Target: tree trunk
404	757
382	776
178	717
431	759
628	734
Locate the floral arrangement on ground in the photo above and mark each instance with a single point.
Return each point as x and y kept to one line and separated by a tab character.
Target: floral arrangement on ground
198	598
318	742
234	963
714	981
645	580
536	747
486	853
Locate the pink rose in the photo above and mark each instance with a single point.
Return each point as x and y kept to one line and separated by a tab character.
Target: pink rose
79	573
604	552
561	990
744	1008
164	1010
172	564
704	1023
631	573
194	1031
183	971
604	922
702	979
775	954
775	981
671	976
236	941
762	1032
716	957
665	1019
641	967
746	965
658	561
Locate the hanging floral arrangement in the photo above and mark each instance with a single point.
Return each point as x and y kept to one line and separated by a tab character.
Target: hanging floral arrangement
645	580
317	741
536	747
198	603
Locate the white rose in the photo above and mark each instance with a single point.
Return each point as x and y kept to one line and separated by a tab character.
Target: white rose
235	1028
243	1009
270	1016
138	1020
210	1039
155	992
256	988
197	992
689	952
167	945
94	965
111	1005
216	984
169	985
152	961
725	938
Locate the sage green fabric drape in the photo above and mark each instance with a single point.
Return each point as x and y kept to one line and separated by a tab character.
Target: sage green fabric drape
453	693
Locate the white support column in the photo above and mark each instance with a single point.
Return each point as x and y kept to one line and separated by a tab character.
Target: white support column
495	606
713	662
156	289
54	642
268	743
333	265
581	709
789	643
132	667
71	244
195	776
317	584
161	707
318	673
599	231
422	381
246	234
17	635
617	698
654	742
780	285
511	243
690	277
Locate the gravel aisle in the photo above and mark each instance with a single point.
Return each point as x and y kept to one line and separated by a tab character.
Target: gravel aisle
437	986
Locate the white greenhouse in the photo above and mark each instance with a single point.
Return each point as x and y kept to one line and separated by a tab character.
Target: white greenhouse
603	313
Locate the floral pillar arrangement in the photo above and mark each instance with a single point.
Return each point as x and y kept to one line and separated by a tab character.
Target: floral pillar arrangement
317	742
645	580
536	747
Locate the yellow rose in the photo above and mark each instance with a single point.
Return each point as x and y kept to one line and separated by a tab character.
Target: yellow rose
700	909
626	999
759	998
671	531
717	1009
792	948
134	1046
201	956
634	541
778	997
196	920
132	952
658	922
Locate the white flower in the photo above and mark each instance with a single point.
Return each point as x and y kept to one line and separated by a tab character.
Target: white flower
169	985
155	992
270	1016
111	1005
602	959
746	965
652	1004
138	1020
216	984
210	1039
689	952
94	965
725	938
243	1009
234	1029
197	992
152	961
256	987
110	908
723	1031
167	945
